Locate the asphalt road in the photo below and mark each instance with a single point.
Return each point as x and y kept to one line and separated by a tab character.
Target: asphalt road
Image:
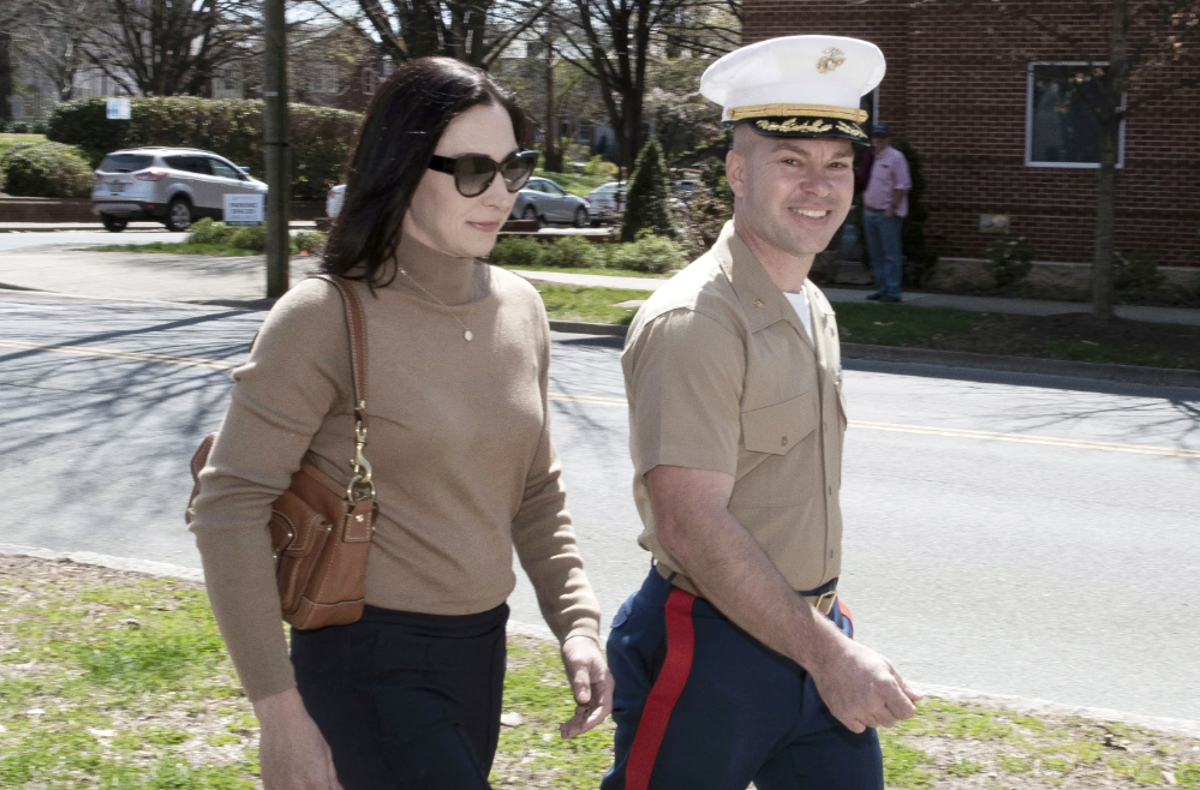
1010	534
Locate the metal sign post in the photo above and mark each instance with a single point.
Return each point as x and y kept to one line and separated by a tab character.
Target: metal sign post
275	93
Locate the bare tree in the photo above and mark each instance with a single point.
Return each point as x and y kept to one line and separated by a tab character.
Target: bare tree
165	47
52	40
1152	51
474	31
614	41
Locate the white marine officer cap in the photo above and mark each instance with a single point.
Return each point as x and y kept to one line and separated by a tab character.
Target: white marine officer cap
797	86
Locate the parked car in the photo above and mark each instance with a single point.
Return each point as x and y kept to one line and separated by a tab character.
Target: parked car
546	201
175	186
334	201
608	200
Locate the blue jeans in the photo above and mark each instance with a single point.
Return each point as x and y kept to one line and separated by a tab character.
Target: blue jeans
701	705
884	247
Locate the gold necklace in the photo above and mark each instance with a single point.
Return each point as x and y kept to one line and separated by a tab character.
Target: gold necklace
468	335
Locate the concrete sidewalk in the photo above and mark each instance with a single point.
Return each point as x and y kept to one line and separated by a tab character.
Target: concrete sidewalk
62	268
978	304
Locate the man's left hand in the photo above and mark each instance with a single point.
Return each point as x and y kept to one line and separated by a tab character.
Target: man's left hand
591	685
891	212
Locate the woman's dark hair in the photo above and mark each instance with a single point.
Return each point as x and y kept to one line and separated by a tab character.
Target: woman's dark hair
392	153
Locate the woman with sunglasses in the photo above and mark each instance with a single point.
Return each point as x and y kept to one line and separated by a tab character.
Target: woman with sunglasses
408	696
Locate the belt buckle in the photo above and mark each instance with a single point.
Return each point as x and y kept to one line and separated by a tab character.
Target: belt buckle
824	602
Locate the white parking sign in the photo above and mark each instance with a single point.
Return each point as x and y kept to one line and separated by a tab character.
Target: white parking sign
243	209
119	110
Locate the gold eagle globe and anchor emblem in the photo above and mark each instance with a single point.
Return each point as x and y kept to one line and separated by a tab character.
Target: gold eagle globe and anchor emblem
830	60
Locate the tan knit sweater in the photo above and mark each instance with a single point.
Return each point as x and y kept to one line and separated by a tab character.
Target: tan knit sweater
458	437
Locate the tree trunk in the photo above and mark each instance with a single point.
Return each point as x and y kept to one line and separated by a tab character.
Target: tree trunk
553	151
1110	115
6	77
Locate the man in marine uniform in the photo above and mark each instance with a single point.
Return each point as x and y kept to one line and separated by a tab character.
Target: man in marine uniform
734	661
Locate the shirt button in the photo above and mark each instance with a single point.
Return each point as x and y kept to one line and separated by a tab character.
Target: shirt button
783	442
829	489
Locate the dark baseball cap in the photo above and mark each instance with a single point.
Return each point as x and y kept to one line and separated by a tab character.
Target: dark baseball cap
881	130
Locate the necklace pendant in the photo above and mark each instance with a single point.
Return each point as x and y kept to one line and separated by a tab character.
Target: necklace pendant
468	336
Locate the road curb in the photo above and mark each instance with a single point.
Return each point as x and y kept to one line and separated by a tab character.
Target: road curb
585	328
948	693
1129	374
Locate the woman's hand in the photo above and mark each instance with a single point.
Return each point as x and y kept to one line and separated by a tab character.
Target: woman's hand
591	685
292	753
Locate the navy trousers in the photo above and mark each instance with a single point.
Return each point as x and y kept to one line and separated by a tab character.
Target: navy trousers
702	705
406	701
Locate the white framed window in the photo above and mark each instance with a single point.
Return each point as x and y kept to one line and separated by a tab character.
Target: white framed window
1060	125
368	80
324	79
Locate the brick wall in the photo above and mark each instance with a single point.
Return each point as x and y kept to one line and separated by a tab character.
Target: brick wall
956	89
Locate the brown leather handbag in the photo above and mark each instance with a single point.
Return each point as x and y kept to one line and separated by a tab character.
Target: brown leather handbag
321	530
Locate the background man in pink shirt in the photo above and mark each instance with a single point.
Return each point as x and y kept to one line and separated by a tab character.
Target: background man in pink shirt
885	204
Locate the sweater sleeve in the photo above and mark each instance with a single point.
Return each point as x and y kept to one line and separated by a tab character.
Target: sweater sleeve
298	372
542	531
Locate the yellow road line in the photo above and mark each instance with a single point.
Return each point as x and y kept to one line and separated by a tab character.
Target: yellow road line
955	433
604	400
132	356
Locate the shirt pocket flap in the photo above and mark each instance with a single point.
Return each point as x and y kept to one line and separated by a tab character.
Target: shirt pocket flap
778	428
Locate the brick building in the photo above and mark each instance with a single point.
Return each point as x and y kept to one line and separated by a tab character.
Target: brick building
976	93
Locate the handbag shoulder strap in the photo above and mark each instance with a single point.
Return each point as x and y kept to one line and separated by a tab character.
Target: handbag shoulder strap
356	324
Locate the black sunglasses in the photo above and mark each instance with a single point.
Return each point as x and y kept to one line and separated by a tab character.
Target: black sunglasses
474	173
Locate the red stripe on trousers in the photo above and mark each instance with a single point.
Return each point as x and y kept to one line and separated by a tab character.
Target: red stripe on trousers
845	610
681	644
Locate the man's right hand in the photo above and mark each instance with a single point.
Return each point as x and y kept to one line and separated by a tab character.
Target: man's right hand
861	688
292	753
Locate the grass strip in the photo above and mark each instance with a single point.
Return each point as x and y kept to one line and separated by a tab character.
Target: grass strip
175	248
1073	336
575	183
604	272
113	680
593	305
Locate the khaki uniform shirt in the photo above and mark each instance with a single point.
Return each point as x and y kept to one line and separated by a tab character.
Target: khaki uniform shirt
721	376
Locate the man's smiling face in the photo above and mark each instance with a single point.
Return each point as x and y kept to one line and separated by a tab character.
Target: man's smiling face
792	193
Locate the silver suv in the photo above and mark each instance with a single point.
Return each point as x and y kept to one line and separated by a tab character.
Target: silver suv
175	186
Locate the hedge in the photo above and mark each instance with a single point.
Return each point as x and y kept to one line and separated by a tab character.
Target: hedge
319	137
43	169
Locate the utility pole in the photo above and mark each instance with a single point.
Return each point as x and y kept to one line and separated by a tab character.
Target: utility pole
278	155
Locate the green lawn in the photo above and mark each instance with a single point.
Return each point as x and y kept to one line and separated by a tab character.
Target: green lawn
113	680
575	183
594	305
173	248
1077	336
591	270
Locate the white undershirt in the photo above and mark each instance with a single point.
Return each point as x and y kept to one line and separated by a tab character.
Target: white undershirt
800	303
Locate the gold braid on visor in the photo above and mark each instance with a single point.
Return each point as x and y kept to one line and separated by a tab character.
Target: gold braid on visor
776	110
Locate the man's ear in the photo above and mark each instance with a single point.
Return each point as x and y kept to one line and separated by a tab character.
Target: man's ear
735	173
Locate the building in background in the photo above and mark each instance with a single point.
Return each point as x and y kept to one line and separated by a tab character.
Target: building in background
981	99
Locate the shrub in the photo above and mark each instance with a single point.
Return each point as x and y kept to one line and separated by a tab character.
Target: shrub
596	166
46	170
319	137
573	252
919	260
252	238
312	241
517	251
205	231
648	253
648	205
1010	259
1136	272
